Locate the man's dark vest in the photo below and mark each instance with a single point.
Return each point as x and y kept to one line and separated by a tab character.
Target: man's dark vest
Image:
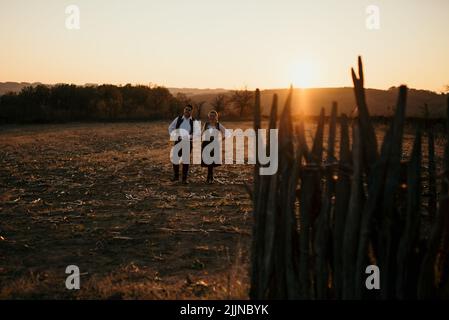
179	121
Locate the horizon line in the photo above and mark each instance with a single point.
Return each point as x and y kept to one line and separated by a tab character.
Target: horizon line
151	84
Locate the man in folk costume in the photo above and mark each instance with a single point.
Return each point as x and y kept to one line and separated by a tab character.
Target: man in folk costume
184	124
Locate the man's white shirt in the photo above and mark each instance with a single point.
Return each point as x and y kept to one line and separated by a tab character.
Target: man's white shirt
184	128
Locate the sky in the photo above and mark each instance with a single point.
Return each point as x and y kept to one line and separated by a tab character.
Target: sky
226	44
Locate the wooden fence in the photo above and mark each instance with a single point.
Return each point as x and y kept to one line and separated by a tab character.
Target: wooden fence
320	221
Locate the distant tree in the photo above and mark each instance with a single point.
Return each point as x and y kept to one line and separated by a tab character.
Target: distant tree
113	100
41	100
132	99
446	88
219	103
29	104
183	99
9	107
158	102
199	105
65	102
242	100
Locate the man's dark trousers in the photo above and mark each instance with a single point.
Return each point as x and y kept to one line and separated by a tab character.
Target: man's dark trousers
185	166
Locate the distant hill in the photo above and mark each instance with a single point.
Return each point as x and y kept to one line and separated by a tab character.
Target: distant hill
380	102
195	92
6	87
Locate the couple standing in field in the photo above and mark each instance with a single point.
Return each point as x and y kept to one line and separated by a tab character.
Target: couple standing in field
185	122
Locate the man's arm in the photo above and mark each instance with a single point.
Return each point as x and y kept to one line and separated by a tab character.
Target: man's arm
172	126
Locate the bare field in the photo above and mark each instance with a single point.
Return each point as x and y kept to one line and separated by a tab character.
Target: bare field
99	196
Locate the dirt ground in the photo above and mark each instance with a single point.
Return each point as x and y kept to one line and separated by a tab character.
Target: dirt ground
99	196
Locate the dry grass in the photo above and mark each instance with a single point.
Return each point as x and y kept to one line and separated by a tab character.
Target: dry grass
99	196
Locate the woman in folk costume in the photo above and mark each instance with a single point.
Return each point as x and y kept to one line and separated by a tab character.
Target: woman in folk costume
210	131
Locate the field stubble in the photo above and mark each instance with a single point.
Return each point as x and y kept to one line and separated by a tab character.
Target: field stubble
98	196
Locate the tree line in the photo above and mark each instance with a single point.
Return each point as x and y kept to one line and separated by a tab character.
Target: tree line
61	103
64	103
234	105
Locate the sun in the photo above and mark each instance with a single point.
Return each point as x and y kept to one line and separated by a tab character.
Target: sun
304	74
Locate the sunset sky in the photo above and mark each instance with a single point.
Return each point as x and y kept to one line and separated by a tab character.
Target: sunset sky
226	44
